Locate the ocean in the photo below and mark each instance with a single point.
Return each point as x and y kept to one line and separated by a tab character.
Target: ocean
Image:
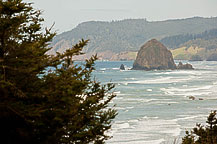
154	106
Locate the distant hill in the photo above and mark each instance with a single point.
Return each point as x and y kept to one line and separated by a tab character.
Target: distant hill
176	41
201	46
198	49
128	35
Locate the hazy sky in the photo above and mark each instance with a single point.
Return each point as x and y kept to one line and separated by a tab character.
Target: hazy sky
69	13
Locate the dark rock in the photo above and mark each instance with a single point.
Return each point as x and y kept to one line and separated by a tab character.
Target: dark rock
122	67
191	97
200	98
154	55
184	66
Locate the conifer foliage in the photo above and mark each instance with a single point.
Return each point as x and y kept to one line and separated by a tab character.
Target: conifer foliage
201	134
62	105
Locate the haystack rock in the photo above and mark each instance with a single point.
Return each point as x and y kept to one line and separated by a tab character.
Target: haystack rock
154	55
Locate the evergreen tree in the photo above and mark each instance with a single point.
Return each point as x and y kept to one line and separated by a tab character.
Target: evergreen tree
62	105
201	134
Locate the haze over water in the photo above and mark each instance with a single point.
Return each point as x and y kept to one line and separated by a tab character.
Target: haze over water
154	106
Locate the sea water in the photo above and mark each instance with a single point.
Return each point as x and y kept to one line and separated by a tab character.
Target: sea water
154	106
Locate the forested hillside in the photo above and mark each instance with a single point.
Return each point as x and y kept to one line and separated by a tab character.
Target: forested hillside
201	46
204	40
128	35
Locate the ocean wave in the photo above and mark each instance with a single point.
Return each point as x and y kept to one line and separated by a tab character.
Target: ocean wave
165	102
144	130
184	72
133	121
159	80
134	138
175	132
143	97
148	101
130	78
149	118
139	100
117	92
118	98
159	126
139	141
125	83
191	89
188	117
115	68
158	141
123	108
120	108
194	91
103	69
120	125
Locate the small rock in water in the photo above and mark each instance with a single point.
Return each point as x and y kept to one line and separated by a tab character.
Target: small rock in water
200	98
122	67
192	97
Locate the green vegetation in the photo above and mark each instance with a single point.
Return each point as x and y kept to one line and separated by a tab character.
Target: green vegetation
185	53
203	45
203	40
129	35
203	134
46	99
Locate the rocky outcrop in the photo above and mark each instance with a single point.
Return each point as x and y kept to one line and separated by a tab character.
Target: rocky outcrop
122	67
154	55
191	97
184	66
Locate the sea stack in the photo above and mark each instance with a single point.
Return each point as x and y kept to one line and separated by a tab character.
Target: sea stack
153	55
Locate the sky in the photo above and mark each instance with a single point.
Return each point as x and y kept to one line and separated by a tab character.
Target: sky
67	14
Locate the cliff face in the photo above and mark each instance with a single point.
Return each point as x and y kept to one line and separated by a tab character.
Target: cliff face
154	55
